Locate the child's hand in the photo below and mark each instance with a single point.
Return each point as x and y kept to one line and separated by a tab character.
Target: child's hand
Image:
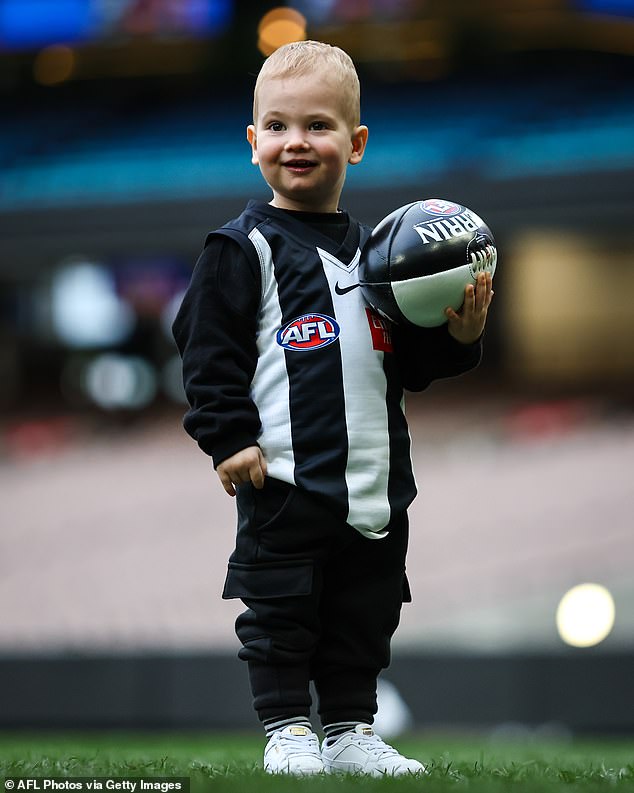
247	465
467	325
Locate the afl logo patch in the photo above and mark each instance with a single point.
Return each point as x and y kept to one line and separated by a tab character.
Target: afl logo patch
438	206
308	332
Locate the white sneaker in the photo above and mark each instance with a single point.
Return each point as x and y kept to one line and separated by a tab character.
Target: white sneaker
363	752
293	750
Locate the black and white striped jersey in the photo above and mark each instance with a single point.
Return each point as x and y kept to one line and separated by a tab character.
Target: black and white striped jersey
297	362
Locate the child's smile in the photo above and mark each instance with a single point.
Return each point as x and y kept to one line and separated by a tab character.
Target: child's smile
300	166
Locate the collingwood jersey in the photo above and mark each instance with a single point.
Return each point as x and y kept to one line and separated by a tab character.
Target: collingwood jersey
321	377
330	422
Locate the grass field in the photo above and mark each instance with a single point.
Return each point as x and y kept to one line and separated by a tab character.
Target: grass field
216	762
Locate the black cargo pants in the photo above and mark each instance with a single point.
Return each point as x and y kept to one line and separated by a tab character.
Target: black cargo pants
322	603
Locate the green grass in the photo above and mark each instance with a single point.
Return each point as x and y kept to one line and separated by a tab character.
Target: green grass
232	763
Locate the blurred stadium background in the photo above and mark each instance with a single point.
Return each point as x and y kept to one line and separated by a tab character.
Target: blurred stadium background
121	144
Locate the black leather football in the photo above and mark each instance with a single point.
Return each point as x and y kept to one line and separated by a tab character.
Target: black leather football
419	259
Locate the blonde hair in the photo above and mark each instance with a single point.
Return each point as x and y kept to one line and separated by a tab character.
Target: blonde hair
306	57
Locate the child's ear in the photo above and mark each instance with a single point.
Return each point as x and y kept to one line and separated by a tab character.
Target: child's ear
253	140
359	140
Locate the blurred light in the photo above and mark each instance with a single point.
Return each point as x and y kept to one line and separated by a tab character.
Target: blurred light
318	11
119	382
26	23
393	716
54	65
168	315
193	17
624	8
86	311
585	615
278	27
172	380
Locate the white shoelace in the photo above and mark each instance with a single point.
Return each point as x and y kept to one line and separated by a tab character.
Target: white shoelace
376	746
299	744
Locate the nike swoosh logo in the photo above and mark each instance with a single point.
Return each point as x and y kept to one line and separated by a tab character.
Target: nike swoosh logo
343	290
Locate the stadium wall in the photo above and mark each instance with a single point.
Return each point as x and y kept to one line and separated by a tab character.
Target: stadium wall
587	692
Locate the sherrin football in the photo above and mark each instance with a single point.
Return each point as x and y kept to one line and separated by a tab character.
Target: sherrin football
420	257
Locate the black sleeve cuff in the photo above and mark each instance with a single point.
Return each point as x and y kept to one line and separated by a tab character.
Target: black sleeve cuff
222	451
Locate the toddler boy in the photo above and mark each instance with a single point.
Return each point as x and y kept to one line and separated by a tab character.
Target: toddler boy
295	389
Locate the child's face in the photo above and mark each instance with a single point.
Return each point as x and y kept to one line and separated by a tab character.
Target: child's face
303	143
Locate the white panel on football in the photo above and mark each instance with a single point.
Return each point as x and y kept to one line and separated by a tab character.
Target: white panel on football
423	300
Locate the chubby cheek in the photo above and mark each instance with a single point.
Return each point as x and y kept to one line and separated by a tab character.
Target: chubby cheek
268	154
338	156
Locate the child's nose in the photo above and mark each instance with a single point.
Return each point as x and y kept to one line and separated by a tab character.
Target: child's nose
296	139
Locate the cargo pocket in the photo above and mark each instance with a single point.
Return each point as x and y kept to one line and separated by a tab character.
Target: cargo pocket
272	503
268	580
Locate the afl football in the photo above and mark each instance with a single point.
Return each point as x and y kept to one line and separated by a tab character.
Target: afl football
419	259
